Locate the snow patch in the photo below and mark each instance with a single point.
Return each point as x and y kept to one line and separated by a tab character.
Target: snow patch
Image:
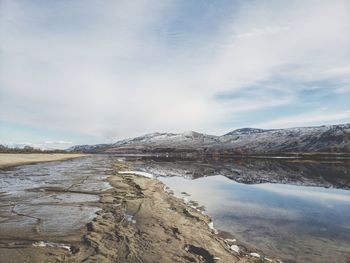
144	174
186	201
235	248
230	240
211	227
130	218
254	255
51	244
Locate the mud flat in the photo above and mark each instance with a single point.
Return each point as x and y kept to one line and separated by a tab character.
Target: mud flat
138	221
141	222
14	159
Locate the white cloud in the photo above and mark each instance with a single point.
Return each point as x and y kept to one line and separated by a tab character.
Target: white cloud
256	32
58	142
343	90
338	71
305	192
108	69
314	118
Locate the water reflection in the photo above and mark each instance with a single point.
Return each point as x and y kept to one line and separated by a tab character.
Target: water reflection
270	203
335	174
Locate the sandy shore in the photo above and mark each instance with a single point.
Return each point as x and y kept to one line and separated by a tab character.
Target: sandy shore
9	159
139	221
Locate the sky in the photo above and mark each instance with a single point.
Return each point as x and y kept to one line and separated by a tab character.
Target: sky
89	71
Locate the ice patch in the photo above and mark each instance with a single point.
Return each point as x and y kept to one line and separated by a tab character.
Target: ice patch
51	244
254	255
235	248
144	174
211	226
130	218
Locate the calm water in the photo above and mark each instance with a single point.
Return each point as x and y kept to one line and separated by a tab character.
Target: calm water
295	211
298	212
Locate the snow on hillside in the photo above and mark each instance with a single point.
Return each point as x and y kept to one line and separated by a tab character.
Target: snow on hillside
293	139
334	138
189	138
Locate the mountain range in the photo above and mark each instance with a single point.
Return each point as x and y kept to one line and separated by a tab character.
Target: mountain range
321	139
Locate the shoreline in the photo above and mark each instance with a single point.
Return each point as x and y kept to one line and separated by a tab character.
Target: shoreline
8	160
194	156
138	221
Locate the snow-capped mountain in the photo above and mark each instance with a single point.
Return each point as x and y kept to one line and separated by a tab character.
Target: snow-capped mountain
245	131
335	138
186	139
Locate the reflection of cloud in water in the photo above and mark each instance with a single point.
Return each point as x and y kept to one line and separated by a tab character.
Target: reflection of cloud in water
253	210
223	196
298	223
307	192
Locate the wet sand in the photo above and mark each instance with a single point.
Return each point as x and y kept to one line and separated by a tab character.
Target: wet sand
138	221
14	159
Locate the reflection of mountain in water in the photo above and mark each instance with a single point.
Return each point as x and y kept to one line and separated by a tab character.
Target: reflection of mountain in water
254	171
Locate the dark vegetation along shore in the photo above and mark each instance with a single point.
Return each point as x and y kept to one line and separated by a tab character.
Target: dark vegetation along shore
27	149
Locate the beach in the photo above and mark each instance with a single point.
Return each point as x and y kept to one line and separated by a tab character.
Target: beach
138	220
9	159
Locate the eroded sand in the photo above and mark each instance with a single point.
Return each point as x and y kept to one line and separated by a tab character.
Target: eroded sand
9	159
140	222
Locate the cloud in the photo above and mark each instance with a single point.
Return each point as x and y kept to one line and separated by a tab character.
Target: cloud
256	32
338	71
305	192
58	142
314	118
120	69
343	90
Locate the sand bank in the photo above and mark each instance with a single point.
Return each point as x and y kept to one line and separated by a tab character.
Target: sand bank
141	222
14	159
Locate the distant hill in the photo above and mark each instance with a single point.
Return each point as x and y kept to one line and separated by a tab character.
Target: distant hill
330	139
